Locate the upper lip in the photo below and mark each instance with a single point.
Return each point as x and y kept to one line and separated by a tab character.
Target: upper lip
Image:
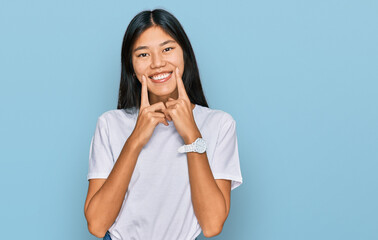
157	73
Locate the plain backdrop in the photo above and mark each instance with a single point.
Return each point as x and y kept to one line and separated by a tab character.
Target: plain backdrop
299	77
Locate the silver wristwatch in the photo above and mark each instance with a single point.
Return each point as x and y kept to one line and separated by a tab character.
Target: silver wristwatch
199	145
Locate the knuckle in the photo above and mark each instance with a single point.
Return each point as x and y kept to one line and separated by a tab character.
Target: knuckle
144	110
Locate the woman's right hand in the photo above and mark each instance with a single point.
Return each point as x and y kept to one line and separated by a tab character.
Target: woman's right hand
148	118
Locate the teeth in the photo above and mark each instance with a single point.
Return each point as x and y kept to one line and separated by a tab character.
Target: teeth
160	76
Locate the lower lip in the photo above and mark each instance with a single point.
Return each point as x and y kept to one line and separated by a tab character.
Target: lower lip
162	80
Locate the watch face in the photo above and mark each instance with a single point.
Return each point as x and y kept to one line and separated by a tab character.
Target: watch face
200	145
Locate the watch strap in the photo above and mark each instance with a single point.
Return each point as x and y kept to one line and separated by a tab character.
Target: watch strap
190	147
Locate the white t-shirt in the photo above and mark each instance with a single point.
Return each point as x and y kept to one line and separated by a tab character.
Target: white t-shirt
157	204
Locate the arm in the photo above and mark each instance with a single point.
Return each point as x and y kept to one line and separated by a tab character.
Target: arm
211	198
102	209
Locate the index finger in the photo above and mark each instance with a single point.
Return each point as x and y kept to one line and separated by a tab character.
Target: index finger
180	85
144	94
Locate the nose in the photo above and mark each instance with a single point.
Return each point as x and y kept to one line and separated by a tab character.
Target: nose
157	61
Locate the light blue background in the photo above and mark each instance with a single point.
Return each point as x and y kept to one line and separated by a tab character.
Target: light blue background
299	77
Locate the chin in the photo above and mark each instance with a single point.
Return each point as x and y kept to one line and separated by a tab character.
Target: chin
163	92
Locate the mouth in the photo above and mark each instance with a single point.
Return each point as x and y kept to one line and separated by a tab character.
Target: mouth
160	78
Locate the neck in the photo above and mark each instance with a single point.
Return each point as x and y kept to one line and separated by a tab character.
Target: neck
162	98
155	99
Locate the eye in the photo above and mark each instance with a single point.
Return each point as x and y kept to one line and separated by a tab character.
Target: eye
169	49
142	55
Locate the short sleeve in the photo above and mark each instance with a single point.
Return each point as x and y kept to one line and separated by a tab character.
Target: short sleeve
225	164
100	156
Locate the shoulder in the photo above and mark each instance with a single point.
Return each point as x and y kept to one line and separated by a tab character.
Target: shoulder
118	115
215	125
216	116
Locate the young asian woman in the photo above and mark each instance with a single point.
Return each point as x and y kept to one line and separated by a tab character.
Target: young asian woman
140	185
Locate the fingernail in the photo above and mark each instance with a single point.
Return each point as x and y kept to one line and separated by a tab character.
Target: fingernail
143	78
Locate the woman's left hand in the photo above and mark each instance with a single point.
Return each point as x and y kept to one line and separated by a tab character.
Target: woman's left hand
180	112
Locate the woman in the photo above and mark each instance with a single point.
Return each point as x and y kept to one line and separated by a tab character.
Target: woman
143	182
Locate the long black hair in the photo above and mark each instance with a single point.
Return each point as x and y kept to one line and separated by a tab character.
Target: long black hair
130	88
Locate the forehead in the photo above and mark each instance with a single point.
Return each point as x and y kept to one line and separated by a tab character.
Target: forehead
153	36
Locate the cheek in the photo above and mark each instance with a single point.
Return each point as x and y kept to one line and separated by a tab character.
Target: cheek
178	60
139	68
181	61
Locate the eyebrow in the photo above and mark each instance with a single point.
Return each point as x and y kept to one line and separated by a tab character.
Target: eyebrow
161	44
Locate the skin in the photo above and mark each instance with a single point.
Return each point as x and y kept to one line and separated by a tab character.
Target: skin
160	102
155	58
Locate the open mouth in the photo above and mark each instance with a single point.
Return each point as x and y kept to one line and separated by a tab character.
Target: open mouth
162	77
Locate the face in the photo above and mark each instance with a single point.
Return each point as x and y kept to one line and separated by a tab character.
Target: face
156	55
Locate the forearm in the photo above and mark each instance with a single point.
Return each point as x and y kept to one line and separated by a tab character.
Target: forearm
105	205
208	201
